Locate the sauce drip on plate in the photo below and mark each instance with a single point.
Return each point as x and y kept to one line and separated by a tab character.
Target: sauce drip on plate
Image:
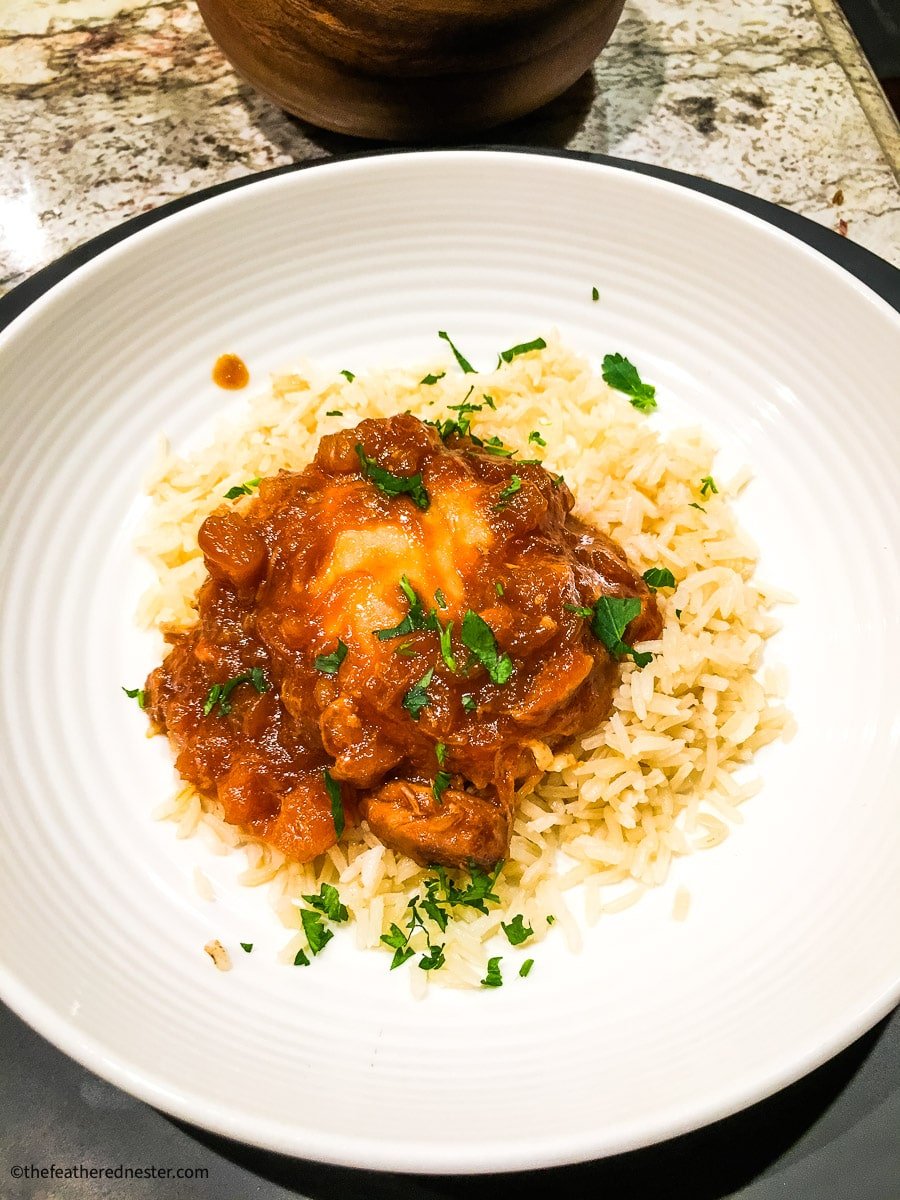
230	372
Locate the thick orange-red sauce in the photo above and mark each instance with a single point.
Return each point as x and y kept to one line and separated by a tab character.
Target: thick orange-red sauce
315	561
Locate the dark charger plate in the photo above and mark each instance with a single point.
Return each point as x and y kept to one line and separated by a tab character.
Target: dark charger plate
831	1136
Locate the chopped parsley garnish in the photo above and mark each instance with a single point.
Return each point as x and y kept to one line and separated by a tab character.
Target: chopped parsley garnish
440	753
498	588
478	637
417	697
610	617
242	489
623	375
447	646
493	977
465	406
579	610
699	507
489	401
595	294
447	652
333	788
430	379
409	592
536	438
246	947
334	412
329	664
439	598
415	917
348	375
464	363
523	348
525	968
433	960
136	694
300	959
494	445
707	486
658	577
317	935
678	612
393	485
516	931
414	620
477	892
551	919
432	905
449	428
441	783
328	902
406	650
514	485
397	940
441	894
558	480
468	702
461	425
219	694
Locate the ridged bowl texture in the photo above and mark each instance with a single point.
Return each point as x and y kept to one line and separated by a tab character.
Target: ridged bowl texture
792	944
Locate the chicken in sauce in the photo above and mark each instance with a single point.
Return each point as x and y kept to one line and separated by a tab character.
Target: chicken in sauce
380	636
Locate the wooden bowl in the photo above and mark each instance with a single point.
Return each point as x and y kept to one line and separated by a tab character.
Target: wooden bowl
408	70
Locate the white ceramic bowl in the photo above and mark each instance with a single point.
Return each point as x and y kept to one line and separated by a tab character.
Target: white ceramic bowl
791	948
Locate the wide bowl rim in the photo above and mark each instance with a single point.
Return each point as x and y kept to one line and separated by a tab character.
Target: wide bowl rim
865	272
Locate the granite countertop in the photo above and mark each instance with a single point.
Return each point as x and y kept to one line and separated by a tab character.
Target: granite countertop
112	107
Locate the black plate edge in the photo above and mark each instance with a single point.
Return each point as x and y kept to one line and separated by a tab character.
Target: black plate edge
876	273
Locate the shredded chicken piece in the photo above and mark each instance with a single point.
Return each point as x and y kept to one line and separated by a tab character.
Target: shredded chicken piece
455	595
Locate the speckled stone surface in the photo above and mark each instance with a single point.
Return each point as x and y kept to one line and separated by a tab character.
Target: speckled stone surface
111	107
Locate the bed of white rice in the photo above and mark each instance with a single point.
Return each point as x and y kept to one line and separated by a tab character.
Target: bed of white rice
664	776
